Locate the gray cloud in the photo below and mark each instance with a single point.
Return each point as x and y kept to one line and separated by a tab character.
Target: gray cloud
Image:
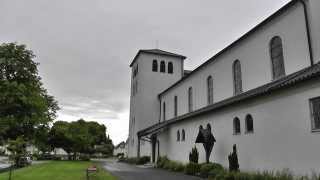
84	46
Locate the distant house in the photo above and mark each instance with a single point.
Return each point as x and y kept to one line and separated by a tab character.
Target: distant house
120	148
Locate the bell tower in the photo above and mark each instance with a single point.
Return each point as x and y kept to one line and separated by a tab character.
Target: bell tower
152	71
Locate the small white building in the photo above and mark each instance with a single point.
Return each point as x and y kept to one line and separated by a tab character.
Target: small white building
262	93
121	148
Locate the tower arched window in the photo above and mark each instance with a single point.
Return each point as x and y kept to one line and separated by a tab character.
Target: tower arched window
170	68
249	124
237	77
178	135
164	111
190	99
175	106
155	65
277	59
183	135
210	90
236	126
162	66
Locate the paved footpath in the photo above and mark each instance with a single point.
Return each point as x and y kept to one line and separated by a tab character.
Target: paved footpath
130	172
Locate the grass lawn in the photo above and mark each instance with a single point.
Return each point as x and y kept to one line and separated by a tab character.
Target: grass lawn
58	170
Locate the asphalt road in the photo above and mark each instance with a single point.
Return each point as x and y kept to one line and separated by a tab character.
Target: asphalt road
130	172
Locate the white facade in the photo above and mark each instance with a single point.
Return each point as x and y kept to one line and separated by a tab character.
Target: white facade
282	136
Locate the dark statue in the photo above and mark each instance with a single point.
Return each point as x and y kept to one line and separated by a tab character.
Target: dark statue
207	139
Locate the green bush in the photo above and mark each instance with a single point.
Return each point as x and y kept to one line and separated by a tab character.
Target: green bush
280	175
215	173
143	160
83	157
179	167
207	167
194	155
135	160
192	168
233	160
161	161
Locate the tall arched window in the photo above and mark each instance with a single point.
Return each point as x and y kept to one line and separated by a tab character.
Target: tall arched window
236	126
178	135
249	124
162	66
210	90
183	135
164	111
277	60
237	77
175	106
170	68
190	100
155	65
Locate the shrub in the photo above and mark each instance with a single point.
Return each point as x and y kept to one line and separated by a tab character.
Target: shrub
192	168
207	167
161	161
56	158
84	157
194	155
132	160
143	160
215	173
179	167
233	160
120	155
173	166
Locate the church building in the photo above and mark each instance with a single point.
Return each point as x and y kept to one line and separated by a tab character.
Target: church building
261	93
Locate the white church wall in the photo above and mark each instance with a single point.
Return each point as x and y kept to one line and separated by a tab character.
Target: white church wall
253	53
282	135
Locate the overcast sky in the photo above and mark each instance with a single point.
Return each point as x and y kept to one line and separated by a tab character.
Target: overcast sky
84	47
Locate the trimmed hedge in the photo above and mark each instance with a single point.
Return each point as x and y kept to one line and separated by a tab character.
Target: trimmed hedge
138	161
192	168
206	168
279	175
165	163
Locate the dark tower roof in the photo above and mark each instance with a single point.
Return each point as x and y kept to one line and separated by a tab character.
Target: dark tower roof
158	52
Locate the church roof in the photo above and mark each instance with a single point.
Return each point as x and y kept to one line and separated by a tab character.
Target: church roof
157	52
308	73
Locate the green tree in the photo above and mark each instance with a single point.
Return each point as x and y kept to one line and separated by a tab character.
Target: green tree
18	150
80	137
24	102
40	139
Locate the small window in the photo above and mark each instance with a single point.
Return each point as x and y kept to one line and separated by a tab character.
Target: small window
164	111
162	67
237	77
277	59
315	113
170	68
155	65
210	90
175	106
190	100
183	134
236	126
249	124
178	135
